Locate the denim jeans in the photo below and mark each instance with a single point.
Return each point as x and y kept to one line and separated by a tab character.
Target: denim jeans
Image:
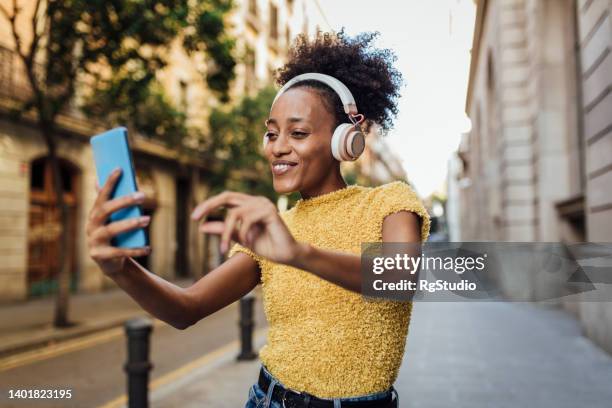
259	399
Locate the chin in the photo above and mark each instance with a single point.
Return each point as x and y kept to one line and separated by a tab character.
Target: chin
284	186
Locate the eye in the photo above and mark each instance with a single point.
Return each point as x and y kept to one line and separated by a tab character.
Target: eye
270	135
298	133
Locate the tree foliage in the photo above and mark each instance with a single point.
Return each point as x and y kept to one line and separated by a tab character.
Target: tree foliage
111	50
127	87
236	135
117	46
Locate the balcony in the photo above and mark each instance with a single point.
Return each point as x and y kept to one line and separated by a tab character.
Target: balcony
15	89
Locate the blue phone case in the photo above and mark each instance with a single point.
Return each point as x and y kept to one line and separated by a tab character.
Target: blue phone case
111	150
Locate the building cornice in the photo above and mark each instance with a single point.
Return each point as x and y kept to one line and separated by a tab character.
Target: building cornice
82	130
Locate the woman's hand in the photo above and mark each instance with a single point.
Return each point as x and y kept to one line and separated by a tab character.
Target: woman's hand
109	258
252	221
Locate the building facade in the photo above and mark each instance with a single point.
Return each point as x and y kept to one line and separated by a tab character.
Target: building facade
173	183
537	163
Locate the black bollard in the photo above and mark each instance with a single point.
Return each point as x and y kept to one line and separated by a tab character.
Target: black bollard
137	367
246	328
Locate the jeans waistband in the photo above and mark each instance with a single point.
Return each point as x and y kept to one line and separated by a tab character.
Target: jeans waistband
364	397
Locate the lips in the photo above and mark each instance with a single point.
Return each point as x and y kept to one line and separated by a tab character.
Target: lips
280	167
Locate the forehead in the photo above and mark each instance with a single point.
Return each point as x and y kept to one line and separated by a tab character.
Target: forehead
299	102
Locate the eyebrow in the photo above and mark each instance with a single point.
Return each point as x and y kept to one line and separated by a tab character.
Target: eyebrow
292	120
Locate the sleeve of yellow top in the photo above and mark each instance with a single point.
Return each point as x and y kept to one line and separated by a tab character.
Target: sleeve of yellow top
239	248
399	196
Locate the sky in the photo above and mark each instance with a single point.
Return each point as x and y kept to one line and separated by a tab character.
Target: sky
432	40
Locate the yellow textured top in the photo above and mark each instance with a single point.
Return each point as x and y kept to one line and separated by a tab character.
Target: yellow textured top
324	339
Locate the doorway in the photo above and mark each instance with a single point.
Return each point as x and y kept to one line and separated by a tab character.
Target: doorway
44	229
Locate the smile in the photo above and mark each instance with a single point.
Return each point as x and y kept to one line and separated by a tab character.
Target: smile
282	168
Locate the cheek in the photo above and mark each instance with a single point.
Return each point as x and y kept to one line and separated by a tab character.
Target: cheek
314	155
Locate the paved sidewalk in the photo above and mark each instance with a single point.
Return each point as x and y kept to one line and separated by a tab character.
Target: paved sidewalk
501	354
28	324
458	355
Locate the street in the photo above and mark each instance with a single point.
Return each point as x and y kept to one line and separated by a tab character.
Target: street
472	355
95	373
458	354
501	354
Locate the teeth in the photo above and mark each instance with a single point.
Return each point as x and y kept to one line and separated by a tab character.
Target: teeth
281	166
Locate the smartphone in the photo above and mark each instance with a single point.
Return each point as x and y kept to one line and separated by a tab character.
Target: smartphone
111	150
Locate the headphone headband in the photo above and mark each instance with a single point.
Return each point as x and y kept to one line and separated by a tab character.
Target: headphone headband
350	108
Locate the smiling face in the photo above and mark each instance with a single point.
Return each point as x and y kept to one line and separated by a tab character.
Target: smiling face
299	135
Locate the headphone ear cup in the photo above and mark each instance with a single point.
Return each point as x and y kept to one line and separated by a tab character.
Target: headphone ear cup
338	142
355	144
347	143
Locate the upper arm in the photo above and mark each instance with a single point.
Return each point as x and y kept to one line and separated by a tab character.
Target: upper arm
402	226
225	284
399	214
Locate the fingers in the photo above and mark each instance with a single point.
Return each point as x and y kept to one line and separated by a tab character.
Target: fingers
247	222
103	211
241	220
108	186
240	234
227	198
217	228
213	227
230	224
102	197
106	232
111	206
104	253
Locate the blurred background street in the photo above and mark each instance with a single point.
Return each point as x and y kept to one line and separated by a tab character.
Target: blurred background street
458	354
504	130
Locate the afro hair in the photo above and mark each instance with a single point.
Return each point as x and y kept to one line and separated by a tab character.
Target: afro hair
368	72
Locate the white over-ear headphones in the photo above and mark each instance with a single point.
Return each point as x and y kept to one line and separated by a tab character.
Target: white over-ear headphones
348	141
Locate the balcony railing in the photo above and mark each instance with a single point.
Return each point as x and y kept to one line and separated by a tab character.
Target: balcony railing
14	82
15	88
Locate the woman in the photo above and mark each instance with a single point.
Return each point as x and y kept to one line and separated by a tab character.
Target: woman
327	345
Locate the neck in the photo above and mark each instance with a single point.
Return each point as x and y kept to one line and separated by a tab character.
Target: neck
331	183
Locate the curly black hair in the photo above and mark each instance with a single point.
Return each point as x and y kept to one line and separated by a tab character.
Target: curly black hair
368	73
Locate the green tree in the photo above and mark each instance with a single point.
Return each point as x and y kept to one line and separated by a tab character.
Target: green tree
117	46
236	135
154	116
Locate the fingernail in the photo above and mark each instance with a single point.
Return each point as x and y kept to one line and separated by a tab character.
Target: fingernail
117	170
223	247
148	250
144	220
139	195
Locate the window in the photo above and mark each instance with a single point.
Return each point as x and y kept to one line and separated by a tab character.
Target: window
253	7
273	22
249	75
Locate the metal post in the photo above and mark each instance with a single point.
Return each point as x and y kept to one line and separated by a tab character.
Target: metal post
138	365
246	324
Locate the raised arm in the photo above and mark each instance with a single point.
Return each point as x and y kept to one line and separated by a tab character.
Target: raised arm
183	307
255	223
179	307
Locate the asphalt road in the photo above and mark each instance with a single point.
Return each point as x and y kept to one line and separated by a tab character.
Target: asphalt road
94	372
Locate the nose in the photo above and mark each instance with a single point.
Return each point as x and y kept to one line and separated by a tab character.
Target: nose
281	145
